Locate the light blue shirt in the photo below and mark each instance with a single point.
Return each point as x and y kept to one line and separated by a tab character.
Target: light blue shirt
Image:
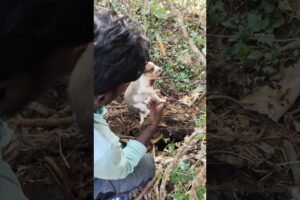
111	162
10	188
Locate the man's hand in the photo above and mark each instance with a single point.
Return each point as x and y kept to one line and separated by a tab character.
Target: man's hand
156	109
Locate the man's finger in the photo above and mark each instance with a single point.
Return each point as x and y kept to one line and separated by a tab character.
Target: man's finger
160	106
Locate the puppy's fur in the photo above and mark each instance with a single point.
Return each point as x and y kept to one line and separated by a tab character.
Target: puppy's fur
140	92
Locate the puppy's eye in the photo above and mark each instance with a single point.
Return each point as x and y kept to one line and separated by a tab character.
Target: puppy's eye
151	70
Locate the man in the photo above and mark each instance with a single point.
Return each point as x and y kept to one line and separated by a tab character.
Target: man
120	56
41	41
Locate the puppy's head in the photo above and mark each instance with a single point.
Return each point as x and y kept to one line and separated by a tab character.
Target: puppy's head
152	71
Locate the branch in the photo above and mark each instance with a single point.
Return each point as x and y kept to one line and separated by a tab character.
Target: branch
199	56
50	122
188	142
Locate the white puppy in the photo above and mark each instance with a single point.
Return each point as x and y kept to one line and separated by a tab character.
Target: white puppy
140	92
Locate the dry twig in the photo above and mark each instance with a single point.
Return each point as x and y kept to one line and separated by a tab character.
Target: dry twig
199	56
189	141
46	123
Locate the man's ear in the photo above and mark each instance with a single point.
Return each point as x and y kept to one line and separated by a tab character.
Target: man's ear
99	100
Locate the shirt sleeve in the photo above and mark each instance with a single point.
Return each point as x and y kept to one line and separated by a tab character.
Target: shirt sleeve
10	187
115	162
118	162
133	153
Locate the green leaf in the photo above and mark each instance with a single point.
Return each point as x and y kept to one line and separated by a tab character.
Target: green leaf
277	19
239	51
269	7
296	53
181	196
244	33
255	55
231	23
268	56
266	38
200	41
201	193
254	21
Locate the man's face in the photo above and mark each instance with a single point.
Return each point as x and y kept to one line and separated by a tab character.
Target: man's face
18	91
106	98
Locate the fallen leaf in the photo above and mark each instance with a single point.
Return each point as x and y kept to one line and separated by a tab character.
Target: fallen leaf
233	160
276	102
296	126
266	148
185	58
292	156
189	100
161	46
295	191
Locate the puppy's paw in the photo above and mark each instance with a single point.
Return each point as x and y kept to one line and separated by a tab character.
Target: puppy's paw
141	121
157	91
162	100
147	112
142	116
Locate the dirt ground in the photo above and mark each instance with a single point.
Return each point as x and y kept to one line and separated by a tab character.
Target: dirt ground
55	158
178	122
248	145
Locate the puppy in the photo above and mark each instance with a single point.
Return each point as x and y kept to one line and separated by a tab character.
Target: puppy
140	92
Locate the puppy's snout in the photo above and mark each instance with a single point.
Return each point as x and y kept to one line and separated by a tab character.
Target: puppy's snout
157	69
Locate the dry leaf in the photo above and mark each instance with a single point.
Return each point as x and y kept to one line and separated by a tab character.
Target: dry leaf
294	5
296	126
292	156
285	5
266	148
185	58
161	46
295	191
233	160
189	100
276	102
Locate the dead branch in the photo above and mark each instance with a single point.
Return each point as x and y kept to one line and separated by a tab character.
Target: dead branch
198	182
146	189
199	56
46	123
59	174
116	107
188	142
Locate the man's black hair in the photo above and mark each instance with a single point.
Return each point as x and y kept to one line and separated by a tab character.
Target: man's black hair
32	30
120	54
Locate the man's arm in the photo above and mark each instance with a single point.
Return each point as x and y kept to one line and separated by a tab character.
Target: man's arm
156	110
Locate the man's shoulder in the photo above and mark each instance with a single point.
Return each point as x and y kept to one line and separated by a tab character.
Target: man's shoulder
101	128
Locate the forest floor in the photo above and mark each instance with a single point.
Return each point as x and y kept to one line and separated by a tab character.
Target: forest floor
55	159
53	162
253	116
179	147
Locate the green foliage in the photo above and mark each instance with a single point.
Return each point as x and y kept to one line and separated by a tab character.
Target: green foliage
252	31
180	176
201	120
160	11
172	149
155	17
159	21
201	193
181	196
